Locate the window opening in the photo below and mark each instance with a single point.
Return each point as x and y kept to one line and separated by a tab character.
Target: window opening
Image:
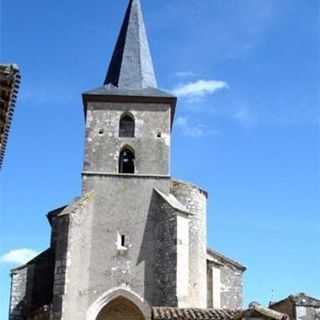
123	240
126	161
126	126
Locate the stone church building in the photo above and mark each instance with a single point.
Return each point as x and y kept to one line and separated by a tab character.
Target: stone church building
134	244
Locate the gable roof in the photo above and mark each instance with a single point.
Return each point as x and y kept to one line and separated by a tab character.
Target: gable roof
73	206
256	310
300	299
42	256
222	258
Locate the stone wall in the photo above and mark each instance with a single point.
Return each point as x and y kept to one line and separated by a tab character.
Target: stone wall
195	200
225	281
60	230
307	313
128	206
151	142
231	287
18	293
165	245
31	286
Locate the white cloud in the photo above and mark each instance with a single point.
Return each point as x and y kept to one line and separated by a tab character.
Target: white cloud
18	256
199	88
193	129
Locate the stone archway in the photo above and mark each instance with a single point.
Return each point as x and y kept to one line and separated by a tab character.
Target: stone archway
120	309
119	304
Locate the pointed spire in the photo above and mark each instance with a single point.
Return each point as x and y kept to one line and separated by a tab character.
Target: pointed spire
131	65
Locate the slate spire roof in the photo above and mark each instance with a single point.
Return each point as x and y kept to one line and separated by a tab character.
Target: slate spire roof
131	65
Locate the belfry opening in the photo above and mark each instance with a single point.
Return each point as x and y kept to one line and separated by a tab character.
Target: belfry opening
126	161
126	126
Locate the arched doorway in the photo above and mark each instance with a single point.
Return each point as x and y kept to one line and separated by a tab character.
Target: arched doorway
117	304
120	309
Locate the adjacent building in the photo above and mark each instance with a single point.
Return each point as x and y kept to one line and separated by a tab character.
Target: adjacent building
9	85
298	307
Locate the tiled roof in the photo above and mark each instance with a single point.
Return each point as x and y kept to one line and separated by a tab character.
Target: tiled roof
256	310
9	85
300	299
167	313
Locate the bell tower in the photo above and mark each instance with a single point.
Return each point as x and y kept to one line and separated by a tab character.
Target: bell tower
126	168
128	119
134	229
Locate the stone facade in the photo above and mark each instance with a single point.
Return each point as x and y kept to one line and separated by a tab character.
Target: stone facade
135	238
103	143
31	286
18	293
195	200
225	281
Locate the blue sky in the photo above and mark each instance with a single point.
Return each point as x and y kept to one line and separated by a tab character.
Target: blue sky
247	126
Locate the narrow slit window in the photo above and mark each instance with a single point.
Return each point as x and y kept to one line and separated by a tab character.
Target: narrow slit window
123	240
122	245
127	126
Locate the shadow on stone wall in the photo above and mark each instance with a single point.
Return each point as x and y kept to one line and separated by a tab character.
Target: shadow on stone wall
158	252
33	287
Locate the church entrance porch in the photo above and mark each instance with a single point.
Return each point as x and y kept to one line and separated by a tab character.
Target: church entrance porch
120	309
119	304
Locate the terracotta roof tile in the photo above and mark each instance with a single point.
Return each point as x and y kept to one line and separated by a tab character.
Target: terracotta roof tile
168	313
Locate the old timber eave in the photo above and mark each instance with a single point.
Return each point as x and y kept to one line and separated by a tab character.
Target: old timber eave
9	86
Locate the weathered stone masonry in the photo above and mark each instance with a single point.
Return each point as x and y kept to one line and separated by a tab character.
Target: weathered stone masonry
135	237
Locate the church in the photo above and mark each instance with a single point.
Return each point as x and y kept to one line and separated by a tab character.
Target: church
134	244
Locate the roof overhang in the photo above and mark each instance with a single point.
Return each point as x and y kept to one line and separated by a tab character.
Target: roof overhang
9	85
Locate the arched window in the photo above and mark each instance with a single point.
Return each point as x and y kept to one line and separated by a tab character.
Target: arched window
126	126
126	161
